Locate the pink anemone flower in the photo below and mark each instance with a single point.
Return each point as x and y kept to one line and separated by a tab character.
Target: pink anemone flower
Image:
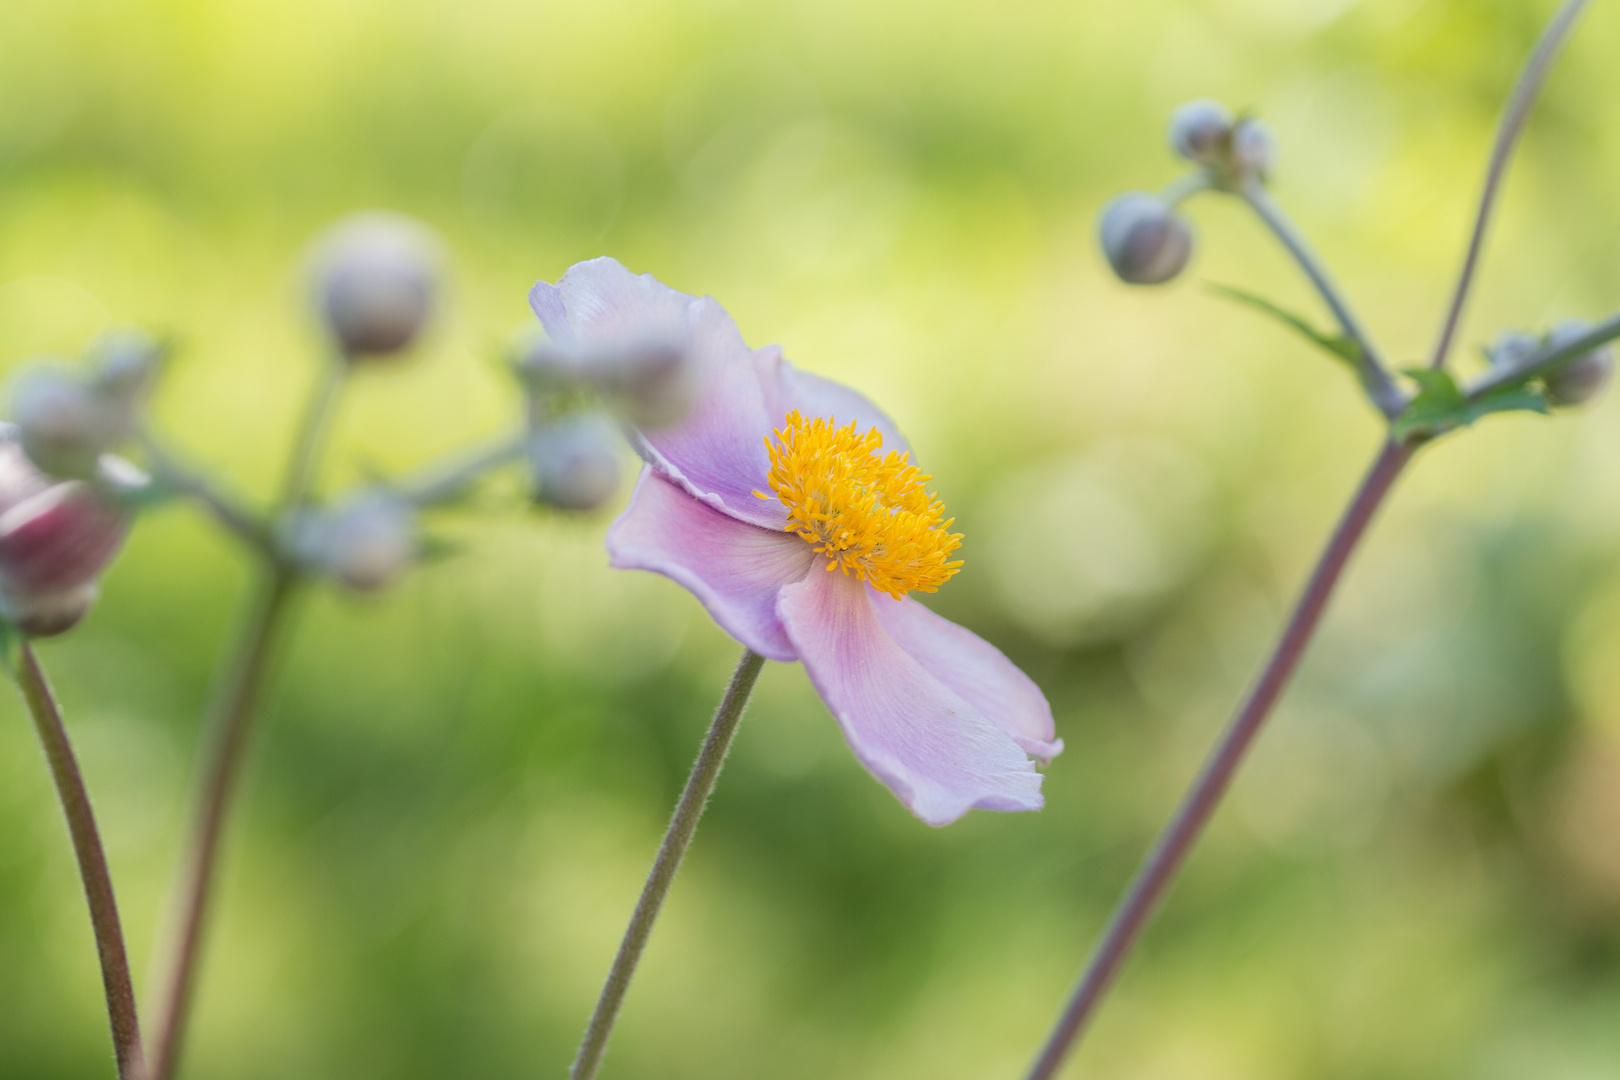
789	506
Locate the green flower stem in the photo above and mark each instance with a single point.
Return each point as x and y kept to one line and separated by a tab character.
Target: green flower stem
448	482
1179	836
1508	131
98	887
1375	376
705	771
228	735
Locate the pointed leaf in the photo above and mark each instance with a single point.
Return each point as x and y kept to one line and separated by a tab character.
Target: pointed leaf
1339	346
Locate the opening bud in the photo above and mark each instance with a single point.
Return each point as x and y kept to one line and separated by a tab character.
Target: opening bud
376	280
56	539
575	462
1200	130
1582	379
1145	241
364	543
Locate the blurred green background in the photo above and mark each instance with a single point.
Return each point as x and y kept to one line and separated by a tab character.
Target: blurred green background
459	785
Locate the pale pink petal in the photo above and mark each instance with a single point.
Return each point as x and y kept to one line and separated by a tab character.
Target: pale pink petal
735	569
938	753
787	388
974	668
717	453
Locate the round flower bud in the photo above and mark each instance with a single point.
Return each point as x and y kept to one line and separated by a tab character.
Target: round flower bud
1583	378
1199	131
652	381
64	425
575	462
365	543
1254	149
1511	349
1146	242
125	360
56	539
376	278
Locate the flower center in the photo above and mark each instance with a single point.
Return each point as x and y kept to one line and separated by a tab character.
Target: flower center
865	510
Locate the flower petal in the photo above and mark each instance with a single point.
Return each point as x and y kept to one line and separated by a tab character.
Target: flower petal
974	668
717	453
787	388
735	569
938	753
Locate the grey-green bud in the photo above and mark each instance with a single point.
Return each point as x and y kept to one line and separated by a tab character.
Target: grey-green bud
1254	149
364	543
575	462
124	361
376	281
1146	242
1583	378
1199	131
64	426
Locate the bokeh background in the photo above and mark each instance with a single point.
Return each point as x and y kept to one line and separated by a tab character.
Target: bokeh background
459	785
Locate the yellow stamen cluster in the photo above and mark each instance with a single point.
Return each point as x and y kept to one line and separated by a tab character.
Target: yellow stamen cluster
865	510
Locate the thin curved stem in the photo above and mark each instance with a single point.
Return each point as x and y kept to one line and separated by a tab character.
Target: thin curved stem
228	733
1531	80
98	886
229	730
1375	376
705	771
1178	837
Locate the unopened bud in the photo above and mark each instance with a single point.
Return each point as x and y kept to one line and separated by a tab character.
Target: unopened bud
652	381
56	539
1512	349
1254	149
64	425
1583	378
1146	242
124	361
575	462
376	280
1199	131
365	543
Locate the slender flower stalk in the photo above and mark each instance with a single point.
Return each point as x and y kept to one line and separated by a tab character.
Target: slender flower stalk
699	785
228	734
1374	373
1199	804
1201	800
98	887
1531	80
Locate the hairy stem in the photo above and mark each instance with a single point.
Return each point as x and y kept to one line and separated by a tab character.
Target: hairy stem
1200	802
705	771
1524	96
98	887
228	735
1375	376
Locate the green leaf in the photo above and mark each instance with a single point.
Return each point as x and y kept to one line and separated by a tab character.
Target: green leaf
1441	406
1339	346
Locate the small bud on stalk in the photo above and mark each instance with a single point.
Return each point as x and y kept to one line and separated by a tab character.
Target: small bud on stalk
575	462
1146	242
1512	349
56	538
1254	149
365	543
651	382
125	360
64	425
1583	378
1199	131
376	280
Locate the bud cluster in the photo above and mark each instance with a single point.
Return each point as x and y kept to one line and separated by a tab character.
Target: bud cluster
1143	237
1574	383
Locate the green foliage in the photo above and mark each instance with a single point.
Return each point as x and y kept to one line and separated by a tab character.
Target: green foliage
1440	405
1341	347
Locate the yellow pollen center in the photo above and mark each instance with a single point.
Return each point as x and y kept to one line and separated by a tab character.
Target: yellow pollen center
865	510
